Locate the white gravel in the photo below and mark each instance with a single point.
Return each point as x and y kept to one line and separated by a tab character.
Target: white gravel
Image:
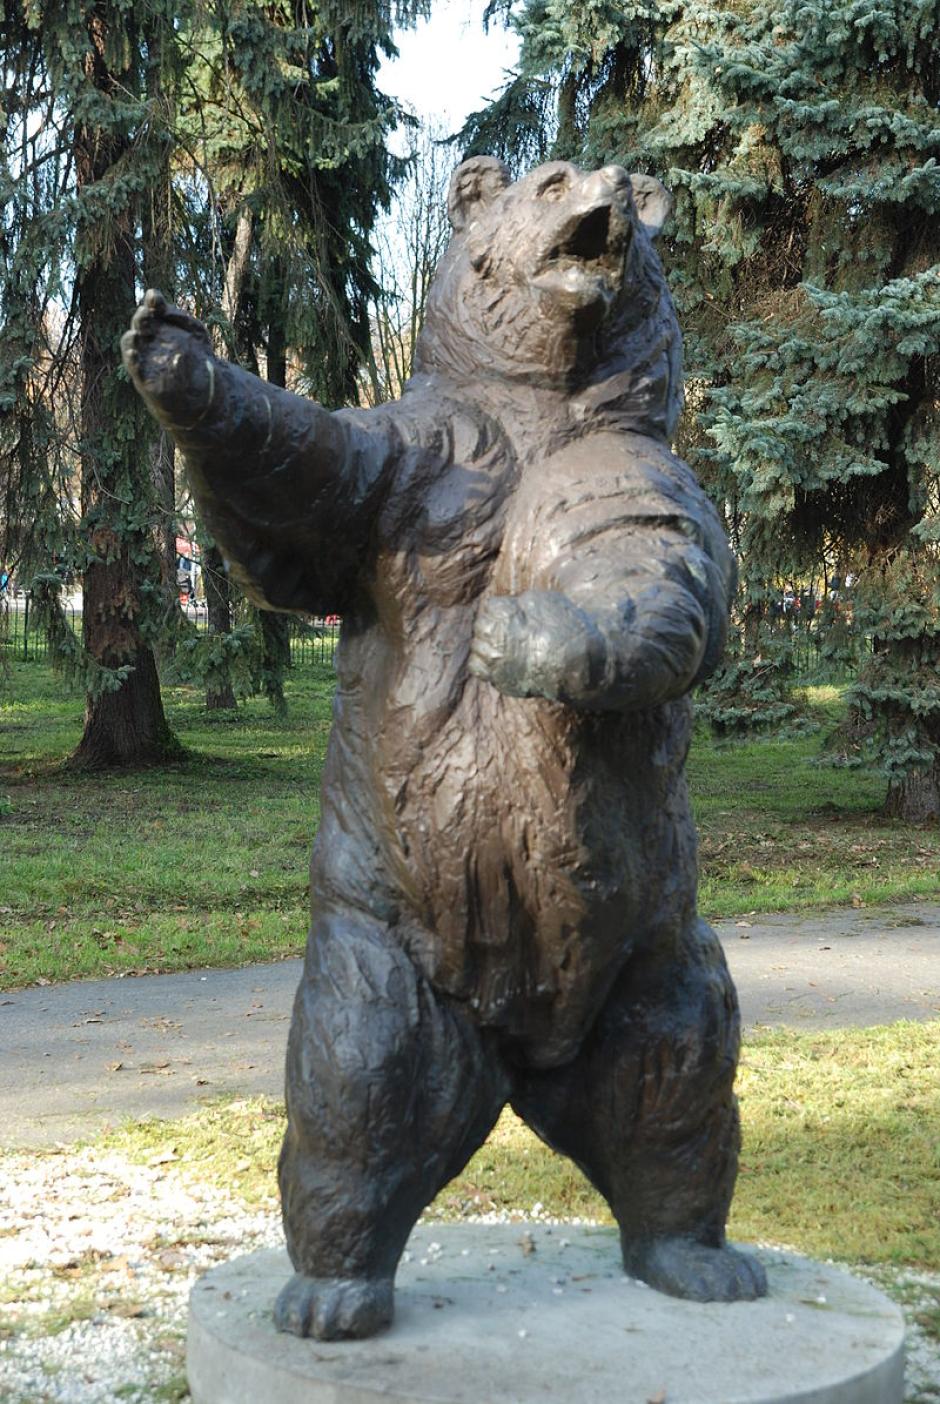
97	1257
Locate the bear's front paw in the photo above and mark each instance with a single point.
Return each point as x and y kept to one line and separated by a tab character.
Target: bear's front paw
537	644
496	654
168	356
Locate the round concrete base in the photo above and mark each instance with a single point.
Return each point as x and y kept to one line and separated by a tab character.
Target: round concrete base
519	1314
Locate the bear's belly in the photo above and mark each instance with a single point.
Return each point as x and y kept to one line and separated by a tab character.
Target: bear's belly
535	849
521	851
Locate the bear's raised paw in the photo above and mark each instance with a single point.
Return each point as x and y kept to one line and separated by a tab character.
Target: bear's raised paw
168	356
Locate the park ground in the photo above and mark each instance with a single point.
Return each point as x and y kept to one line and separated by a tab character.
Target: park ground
203	863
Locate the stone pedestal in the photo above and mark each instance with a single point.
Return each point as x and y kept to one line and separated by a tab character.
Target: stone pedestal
516	1314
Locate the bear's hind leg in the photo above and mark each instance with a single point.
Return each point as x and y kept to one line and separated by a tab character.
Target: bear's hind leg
390	1090
648	1112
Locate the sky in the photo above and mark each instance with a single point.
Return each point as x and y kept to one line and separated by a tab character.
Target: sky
447	67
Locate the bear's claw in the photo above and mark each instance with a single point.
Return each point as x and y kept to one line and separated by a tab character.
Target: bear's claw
334	1308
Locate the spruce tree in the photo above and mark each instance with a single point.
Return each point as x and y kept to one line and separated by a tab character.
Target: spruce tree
287	124
124	719
800	139
77	243
233	153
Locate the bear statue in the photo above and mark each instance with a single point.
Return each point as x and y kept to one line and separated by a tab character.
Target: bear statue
503	884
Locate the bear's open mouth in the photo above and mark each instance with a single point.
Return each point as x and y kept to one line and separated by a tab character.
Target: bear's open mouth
588	242
586	252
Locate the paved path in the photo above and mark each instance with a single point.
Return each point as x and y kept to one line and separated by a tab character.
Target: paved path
88	1054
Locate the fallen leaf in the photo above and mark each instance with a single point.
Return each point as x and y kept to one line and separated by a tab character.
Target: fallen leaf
114	1067
164	1158
117	1265
171	1260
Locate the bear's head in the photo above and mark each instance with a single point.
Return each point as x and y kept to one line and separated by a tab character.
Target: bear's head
553	281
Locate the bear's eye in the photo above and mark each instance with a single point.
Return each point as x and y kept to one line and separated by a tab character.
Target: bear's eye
554	188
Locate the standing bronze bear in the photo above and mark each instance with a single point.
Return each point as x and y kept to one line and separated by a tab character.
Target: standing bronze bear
504	880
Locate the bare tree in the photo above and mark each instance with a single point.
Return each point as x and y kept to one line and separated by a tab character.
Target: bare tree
409	243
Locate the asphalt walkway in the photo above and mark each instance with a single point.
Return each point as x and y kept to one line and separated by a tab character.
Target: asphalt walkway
77	1057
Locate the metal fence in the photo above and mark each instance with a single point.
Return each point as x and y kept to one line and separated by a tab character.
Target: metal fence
313	642
821	649
809	643
23	639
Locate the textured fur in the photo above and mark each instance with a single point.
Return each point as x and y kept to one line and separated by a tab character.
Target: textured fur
503	881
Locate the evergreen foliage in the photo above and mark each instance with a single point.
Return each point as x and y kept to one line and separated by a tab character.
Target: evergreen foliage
288	137
237	148
801	141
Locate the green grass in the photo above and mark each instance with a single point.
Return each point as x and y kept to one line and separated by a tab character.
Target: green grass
200	862
780	831
840	1157
204	861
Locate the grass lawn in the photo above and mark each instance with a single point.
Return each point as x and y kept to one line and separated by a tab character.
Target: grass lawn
840	1153
205	861
780	829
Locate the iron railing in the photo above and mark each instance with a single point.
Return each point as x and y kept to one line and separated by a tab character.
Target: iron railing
22	637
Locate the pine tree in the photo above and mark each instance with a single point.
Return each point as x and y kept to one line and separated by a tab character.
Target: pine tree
75	240
801	141
290	130
237	149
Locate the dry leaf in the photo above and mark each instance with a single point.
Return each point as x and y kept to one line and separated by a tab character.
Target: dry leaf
164	1158
171	1260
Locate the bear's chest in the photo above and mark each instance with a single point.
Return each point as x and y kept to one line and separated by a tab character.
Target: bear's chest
440	539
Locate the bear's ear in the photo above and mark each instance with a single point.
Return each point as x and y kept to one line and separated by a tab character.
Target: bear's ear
472	186
653	203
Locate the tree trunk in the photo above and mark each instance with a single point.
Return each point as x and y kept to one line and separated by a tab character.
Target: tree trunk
753	617
275	628
159	272
220	694
275	659
163	468
916	797
124	725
